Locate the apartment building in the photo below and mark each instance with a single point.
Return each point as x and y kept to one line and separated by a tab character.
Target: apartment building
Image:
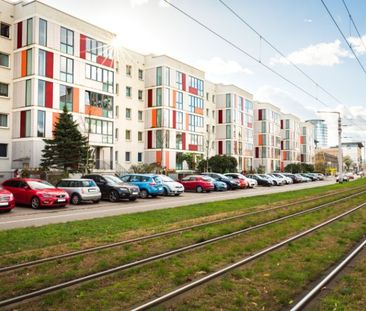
267	138
133	108
174	114
234	134
57	65
6	87
307	143
290	143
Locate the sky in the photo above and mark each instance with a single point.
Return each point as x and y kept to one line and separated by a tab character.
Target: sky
301	30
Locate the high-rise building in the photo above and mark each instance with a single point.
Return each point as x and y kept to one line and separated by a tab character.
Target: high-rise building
320	133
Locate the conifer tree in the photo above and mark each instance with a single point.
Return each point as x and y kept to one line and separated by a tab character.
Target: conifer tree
68	150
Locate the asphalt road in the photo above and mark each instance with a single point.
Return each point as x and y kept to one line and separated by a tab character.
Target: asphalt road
21	217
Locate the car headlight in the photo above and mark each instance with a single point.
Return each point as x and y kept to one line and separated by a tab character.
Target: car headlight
123	189
46	195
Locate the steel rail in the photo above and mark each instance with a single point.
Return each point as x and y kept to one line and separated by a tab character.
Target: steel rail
310	295
245	260
159	234
99	274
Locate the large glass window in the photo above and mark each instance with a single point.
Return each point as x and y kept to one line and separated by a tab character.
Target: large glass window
228	116
101	75
105	128
100	100
228	100
3	120
42	63
29	62
41	123
197	84
42	32
228	131
28	92
4	60
179	100
41	93
4	30
195	102
179	120
159	97
228	147
67	69
67	41
29	31
179	80
4	89
66	97
3	150
28	124
159	76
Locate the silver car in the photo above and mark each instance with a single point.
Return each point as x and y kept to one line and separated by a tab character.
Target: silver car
170	186
80	190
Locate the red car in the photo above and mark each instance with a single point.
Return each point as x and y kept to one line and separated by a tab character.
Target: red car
36	192
240	178
7	201
197	183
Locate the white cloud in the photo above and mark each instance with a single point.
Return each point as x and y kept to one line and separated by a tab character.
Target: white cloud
308	20
218	66
285	101
322	54
357	44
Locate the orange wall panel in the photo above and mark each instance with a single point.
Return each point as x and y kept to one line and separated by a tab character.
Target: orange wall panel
75	106
174	99
167	159
93	111
198	110
158	156
153	118
24	64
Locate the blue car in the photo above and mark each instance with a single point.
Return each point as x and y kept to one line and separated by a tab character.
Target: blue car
149	184
219	185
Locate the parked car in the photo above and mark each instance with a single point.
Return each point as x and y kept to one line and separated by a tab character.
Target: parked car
149	184
303	178
320	175
230	182
7	202
260	180
251	183
345	178
311	177
275	181
171	187
218	185
295	179
288	180
113	188
198	183
278	181
36	193
350	176
80	190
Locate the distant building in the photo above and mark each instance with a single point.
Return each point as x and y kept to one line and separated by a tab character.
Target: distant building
354	151
325	161
320	133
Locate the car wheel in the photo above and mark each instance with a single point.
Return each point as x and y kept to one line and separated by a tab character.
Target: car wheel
143	194
35	203
132	199
113	196
199	189
75	199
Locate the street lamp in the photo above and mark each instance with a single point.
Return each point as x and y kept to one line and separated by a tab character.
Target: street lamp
340	158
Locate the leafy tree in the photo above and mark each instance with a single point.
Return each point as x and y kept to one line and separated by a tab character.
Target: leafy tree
202	166
293	168
189	158
347	162
69	150
261	169
222	164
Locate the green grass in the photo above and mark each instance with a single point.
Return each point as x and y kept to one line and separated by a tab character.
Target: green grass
108	228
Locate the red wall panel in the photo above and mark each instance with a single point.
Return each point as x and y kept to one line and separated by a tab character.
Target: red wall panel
20	35
220	147
82	46
49	64
183	141
149	98
22	124
49	95
149	139
193	147
220	116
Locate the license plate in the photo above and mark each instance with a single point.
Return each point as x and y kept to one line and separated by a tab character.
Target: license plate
3	203
61	200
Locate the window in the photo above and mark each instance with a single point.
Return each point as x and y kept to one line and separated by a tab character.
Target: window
128	156
29	62
66	97
41	93
4	60
67	41
28	92
3	150
3	120
179	100
140	92
228	147
42	32
228	116
128	70
128	91
140	115
128	135
42	63
4	30
159	76
26	118
67	69
117	111
196	84
116	156
96	48
195	102
29	31
141	74
139	136
116	134
128	113
159	97
101	75
179	80
139	157
4	89
228	100
102	101
228	131
41	123
179	120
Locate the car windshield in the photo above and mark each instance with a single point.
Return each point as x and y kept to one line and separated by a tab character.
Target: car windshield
164	178
88	183
39	185
113	179
264	176
207	178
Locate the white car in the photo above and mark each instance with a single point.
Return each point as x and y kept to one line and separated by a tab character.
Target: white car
287	179
251	182
171	187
